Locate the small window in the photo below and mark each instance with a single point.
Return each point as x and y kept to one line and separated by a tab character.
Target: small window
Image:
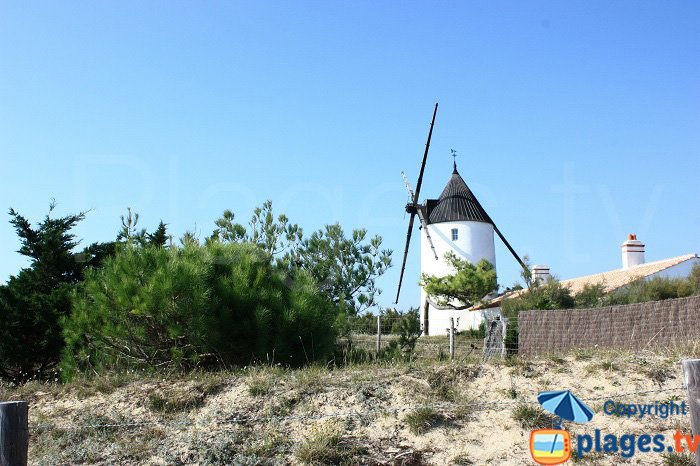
454	234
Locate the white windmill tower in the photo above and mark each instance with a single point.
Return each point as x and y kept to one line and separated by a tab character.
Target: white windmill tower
455	222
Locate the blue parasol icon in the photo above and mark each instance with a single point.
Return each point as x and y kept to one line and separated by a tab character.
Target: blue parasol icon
565	405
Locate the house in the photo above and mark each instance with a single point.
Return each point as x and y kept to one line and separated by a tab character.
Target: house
634	267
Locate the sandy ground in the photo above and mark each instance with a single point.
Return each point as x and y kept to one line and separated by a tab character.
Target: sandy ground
274	416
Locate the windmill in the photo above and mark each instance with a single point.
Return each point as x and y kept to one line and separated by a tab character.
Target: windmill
458	220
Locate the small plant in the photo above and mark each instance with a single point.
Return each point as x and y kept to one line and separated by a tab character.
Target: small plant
512	360
464	412
583	355
423	419
282	407
532	417
175	401
512	391
259	386
444	392
659	374
462	460
268	446
310	380
556	359
676	459
325	445
602	366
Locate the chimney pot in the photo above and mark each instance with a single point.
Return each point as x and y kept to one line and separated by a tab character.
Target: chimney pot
632	252
540	273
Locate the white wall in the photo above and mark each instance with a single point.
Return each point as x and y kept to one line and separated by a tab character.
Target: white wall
677	271
475	242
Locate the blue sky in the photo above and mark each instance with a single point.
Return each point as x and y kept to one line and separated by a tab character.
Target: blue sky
575	122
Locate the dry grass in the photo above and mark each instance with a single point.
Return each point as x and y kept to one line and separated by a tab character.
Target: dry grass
423	419
374	412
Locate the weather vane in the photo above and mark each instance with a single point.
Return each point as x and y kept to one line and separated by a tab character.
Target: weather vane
454	157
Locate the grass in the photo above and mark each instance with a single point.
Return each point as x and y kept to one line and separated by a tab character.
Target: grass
423	419
280	394
583	354
89	439
676	459
259	386
462	460
175	400
512	391
464	412
270	445
532	417
443	380
282	406
659	373
310	380
326	445
556	359
608	365
183	396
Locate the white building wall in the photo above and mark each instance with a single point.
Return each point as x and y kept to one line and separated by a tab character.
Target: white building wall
474	242
681	270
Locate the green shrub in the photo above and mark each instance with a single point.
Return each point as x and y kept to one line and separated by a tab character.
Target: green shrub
590	296
656	289
195	306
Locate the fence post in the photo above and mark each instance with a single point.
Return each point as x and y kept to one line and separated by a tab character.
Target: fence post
452	338
14	433
379	334
691	369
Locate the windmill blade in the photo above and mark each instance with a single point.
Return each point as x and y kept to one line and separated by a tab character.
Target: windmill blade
510	248
408	185
414	205
424	224
419	211
425	157
405	253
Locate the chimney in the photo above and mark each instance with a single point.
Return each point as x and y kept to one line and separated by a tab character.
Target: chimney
540	273
632	252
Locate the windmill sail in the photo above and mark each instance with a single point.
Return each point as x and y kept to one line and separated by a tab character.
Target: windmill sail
413	207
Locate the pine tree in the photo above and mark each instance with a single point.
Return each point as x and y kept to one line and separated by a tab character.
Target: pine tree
33	302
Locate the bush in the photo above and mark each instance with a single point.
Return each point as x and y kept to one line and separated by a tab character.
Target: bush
549	295
656	289
195	306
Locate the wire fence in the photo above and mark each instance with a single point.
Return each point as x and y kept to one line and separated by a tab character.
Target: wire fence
666	324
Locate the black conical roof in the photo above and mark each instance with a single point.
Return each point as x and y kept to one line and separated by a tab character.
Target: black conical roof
458	203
